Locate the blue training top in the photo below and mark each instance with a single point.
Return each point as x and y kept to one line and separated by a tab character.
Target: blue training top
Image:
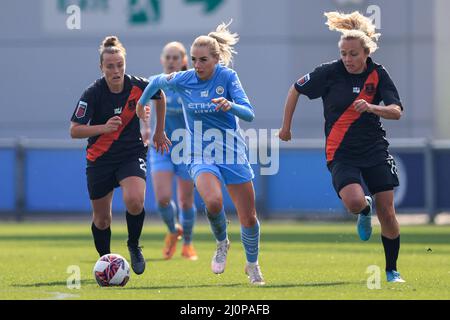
203	122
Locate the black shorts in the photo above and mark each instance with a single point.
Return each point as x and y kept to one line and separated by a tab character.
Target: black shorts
379	178
103	179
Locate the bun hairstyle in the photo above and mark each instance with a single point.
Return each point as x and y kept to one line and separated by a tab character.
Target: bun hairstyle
354	26
221	43
111	44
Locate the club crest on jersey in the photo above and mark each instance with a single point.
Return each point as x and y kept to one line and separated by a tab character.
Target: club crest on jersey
220	90
303	80
370	89
81	109
170	76
132	104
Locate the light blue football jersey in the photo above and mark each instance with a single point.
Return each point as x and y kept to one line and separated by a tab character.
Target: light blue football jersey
211	132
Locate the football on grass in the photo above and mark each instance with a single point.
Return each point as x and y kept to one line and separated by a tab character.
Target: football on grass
112	270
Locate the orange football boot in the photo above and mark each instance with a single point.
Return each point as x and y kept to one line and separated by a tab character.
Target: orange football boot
189	252
170	242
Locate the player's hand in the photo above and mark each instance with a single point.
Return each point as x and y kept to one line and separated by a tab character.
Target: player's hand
284	134
113	124
161	142
362	106
143	112
222	104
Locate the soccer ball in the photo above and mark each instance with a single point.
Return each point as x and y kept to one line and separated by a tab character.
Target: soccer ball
112	270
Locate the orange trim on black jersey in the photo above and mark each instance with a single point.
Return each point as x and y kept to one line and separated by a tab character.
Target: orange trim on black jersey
104	142
341	126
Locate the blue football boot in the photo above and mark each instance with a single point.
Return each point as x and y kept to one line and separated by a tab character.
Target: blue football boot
394	276
364	224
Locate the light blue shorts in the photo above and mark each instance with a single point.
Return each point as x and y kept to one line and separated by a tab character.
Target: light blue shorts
227	173
159	162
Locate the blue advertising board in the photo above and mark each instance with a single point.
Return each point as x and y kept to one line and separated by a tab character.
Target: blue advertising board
7	181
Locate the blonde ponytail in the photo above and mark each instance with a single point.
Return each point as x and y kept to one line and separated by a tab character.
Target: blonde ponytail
220	42
354	26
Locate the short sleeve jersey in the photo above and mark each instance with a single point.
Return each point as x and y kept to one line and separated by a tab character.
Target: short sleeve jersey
97	105
351	137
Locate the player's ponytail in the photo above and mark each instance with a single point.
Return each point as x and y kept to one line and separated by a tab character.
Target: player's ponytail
354	26
221	43
226	41
111	44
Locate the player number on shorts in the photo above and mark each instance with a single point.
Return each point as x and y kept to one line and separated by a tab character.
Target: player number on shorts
143	165
393	165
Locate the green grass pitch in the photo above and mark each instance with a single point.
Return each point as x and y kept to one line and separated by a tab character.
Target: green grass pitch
298	260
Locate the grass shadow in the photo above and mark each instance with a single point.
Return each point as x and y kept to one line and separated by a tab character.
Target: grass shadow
51	284
230	285
155	259
315	284
146	260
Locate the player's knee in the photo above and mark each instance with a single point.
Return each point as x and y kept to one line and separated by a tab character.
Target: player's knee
248	221
134	204
355	205
214	205
102	223
164	201
185	203
386	215
385	208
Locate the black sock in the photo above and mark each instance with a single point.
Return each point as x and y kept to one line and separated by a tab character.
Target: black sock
366	210
102	239
135	224
391	249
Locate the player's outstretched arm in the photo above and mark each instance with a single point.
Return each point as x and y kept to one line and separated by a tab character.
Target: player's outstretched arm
156	83
160	140
289	109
